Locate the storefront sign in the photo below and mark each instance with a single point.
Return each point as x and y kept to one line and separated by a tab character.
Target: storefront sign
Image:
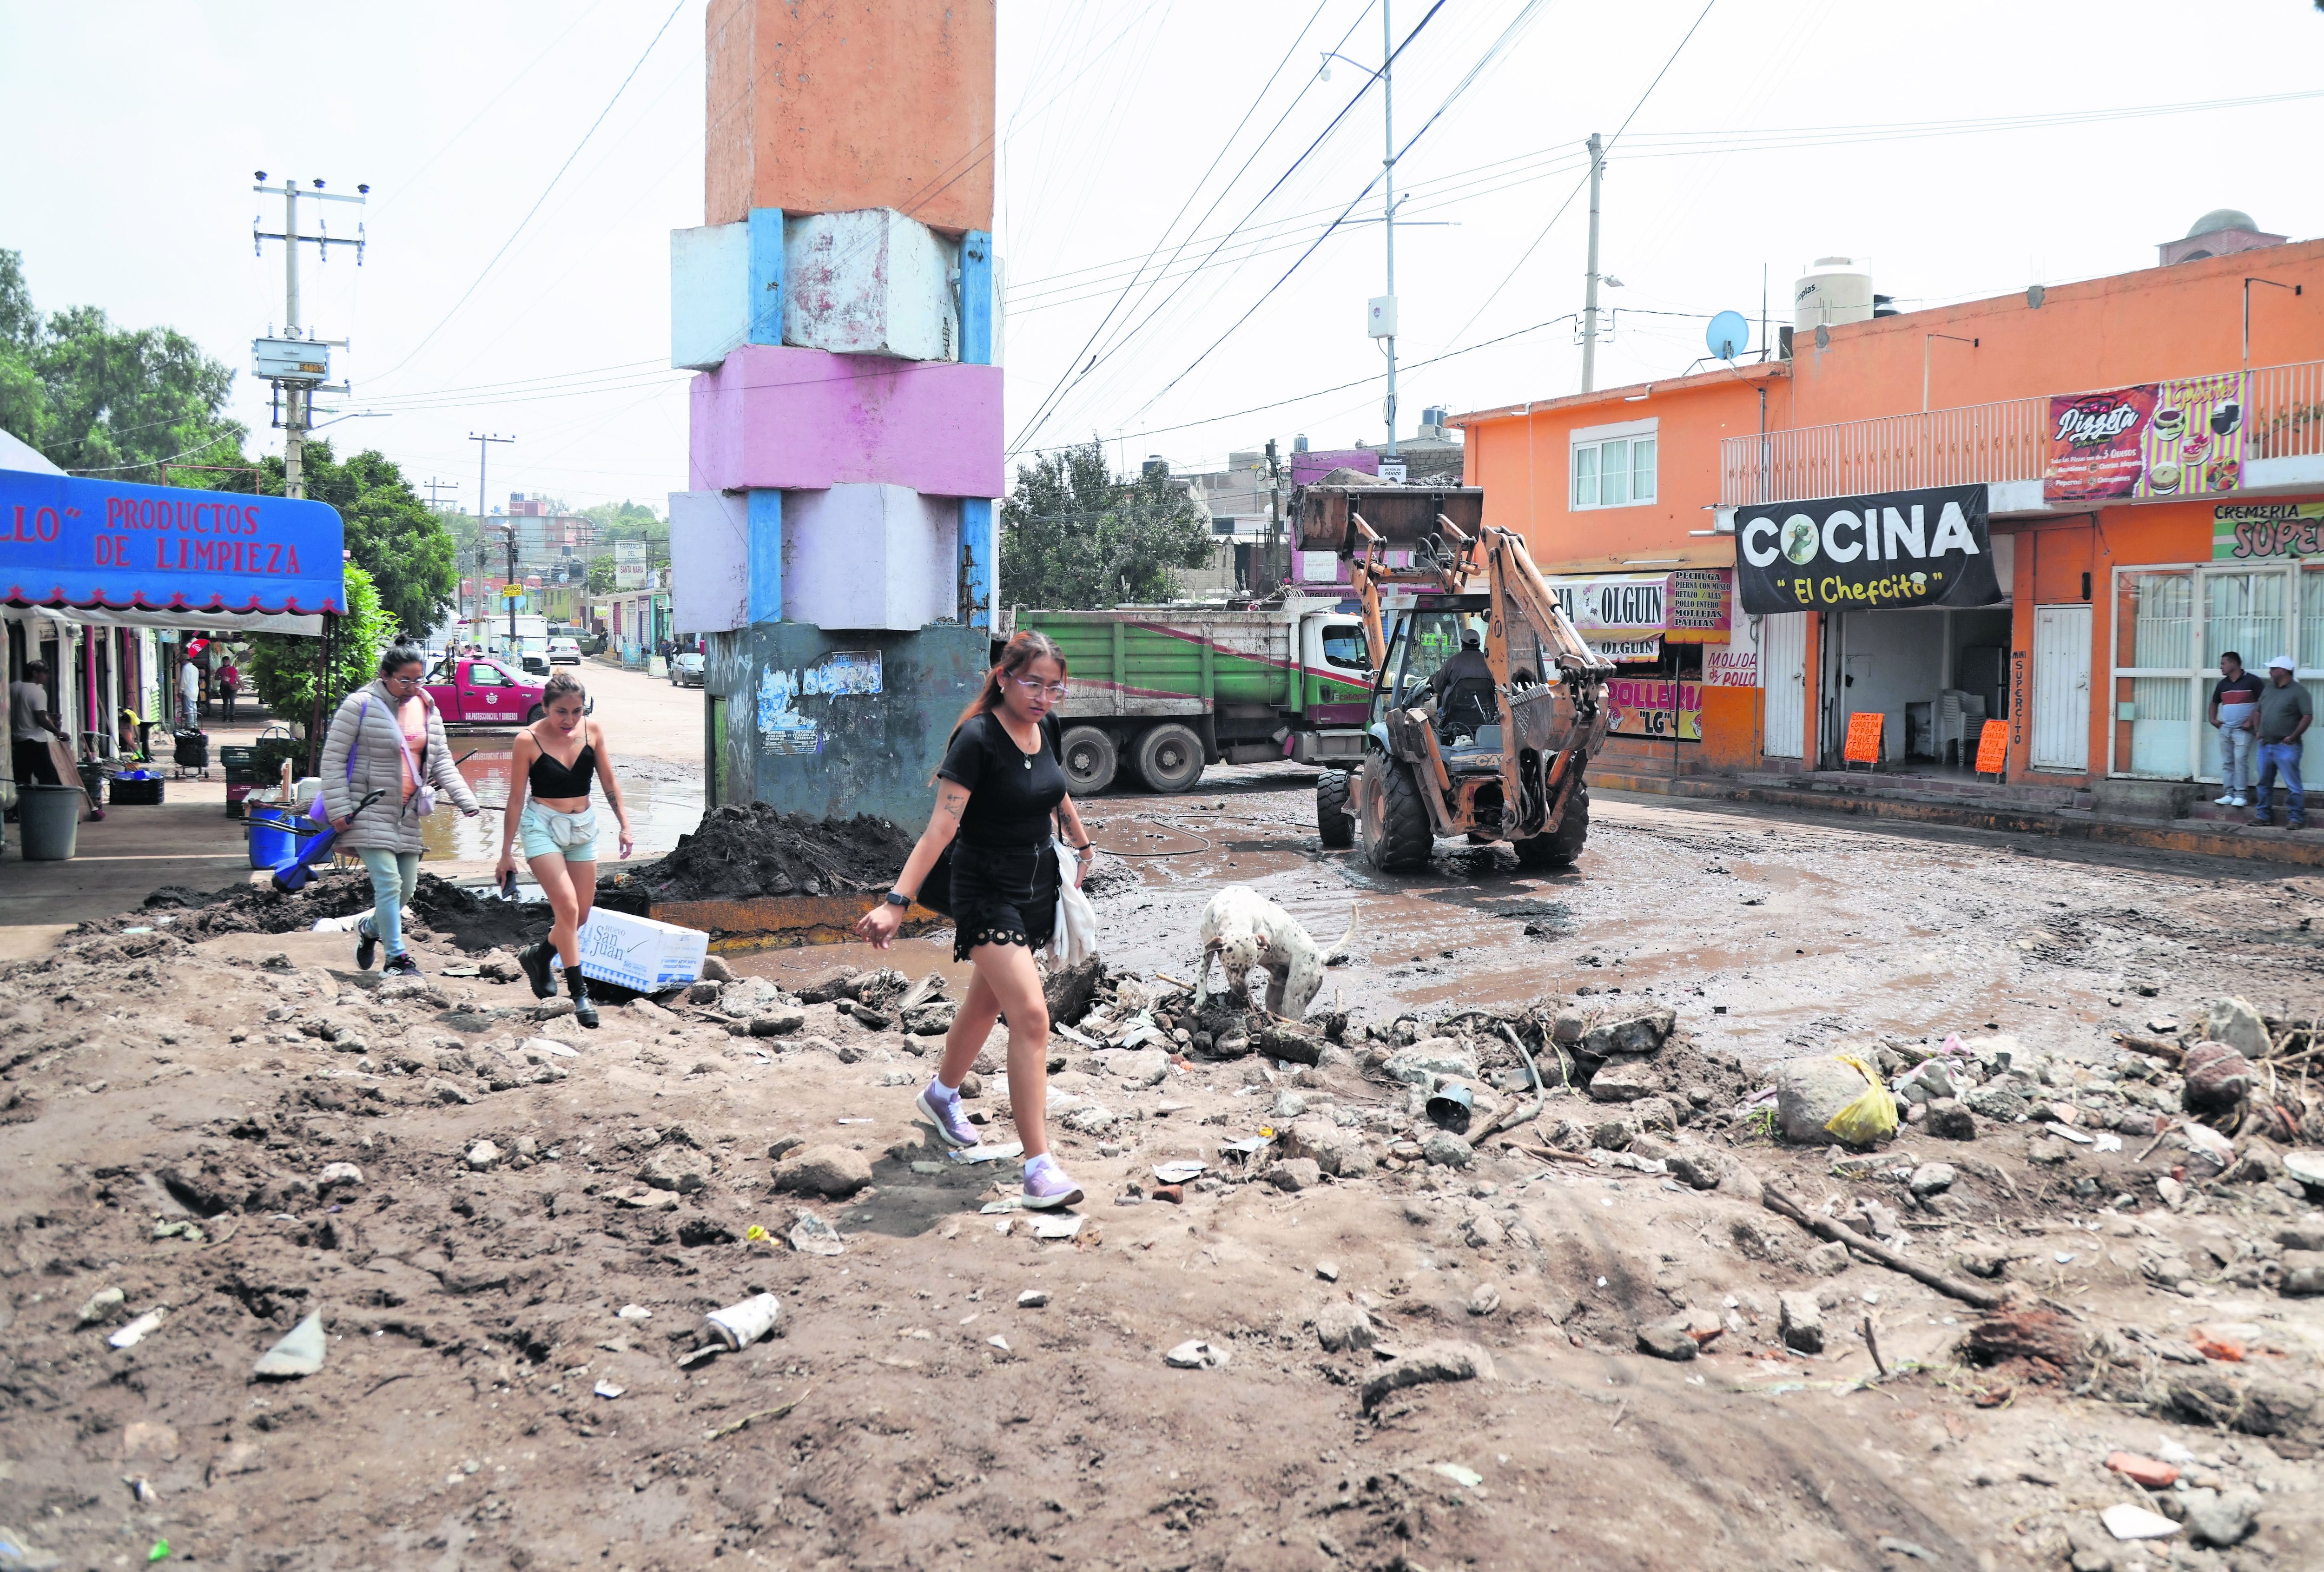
1930	547
2154	441
1729	666
1691	605
1630	652
2242	531
1642	707
65	541
1702	604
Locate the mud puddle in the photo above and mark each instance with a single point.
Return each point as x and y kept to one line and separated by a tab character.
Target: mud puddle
664	800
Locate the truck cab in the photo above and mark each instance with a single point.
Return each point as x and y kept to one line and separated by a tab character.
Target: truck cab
475	691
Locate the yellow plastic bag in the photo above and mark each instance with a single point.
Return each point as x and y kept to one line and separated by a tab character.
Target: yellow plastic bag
1872	1114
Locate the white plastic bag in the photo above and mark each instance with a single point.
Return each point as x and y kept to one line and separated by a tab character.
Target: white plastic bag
1075	940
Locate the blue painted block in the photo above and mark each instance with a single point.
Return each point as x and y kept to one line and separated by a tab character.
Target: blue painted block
976	301
979	560
766	555
767	275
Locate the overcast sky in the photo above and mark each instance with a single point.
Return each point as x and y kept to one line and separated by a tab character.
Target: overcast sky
1137	135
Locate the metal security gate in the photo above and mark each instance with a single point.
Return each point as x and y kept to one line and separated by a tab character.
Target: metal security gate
2062	688
1782	674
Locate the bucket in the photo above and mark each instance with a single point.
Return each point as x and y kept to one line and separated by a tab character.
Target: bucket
274	832
49	817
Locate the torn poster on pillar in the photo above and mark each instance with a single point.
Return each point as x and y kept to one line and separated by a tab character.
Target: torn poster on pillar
843	671
783	729
1928	547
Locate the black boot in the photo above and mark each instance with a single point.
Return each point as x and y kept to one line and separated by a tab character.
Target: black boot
535	961
579	986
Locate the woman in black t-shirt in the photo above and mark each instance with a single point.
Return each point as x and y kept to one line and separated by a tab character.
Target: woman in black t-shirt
1000	786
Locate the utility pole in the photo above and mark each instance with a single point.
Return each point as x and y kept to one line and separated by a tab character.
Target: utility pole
296	365
483	448
435	485
1274	513
1589	283
1388	212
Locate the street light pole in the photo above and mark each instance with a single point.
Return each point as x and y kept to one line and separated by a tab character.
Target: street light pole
484	447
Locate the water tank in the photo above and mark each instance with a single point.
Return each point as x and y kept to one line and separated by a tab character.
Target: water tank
1834	291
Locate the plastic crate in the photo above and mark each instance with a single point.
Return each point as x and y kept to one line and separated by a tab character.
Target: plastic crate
237	756
130	793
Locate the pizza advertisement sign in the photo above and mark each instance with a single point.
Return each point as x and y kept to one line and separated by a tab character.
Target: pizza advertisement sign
2149	442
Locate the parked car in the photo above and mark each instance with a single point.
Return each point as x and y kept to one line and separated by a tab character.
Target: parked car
565	651
686	668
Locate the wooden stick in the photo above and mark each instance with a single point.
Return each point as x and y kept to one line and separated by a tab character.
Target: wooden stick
1873	1250
1550	1152
2153	1047
1872	1341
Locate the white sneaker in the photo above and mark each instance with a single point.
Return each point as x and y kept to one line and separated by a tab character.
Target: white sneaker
2239	802
2229	801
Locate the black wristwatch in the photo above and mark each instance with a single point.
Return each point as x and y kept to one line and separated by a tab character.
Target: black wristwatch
898	898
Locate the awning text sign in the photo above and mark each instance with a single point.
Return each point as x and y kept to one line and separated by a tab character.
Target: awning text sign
74	542
1930	547
1690	603
2148	441
2246	531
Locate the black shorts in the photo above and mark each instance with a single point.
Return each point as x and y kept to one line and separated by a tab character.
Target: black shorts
1002	895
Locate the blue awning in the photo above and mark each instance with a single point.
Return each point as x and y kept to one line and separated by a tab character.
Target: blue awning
68	541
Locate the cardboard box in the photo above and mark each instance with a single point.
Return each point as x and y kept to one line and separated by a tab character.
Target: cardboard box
637	952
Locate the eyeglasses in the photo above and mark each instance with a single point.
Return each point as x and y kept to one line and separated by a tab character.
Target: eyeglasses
1035	685
407	682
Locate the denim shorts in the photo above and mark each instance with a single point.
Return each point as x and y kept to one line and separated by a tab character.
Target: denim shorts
547	832
1002	895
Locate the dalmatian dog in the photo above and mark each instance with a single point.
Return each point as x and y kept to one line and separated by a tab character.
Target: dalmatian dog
1247	934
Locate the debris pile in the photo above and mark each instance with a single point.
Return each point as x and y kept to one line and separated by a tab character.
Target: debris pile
744	850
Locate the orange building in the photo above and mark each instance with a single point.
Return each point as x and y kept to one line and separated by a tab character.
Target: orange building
2054	509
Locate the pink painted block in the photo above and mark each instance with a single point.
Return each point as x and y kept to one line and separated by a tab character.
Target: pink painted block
802	419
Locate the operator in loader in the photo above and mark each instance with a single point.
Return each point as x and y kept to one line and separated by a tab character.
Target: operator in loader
1464	690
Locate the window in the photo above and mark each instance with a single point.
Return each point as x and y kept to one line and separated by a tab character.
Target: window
2172	624
1344	648
480	675
1614	466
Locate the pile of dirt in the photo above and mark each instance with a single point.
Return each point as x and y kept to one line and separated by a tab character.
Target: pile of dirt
749	849
439	909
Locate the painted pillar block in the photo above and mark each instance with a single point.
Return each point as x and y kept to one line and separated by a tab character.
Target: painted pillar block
872	282
766	513
726	289
977	302
802	419
710	560
979	560
826	105
770	272
870	556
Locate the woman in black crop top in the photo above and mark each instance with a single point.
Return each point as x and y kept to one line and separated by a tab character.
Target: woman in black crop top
555	760
998	790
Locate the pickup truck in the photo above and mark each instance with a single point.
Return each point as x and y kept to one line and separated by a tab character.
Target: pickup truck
1159	692
471	691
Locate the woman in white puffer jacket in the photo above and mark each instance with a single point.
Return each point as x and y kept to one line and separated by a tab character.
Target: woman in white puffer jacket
389	738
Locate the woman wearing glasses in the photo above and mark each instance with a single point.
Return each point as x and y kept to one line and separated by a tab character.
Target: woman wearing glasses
1000	786
389	738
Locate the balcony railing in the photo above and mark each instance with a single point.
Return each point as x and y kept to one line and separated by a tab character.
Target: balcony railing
2004	441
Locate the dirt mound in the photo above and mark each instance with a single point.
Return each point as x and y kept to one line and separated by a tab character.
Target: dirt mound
438	908
744	850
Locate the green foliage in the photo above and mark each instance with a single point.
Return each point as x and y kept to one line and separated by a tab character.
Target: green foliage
1073	536
402	543
627	521
283	665
97	398
601	576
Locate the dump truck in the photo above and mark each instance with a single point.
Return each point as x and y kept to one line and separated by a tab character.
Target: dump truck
1509	766
1159	692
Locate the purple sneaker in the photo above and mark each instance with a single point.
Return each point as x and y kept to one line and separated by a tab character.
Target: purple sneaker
946	1115
1046	1187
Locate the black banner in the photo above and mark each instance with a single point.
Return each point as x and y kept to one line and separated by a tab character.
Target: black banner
1931	547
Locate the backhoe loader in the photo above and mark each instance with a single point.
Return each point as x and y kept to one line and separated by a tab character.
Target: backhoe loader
1453	759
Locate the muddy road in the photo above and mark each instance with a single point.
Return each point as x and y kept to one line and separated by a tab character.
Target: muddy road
537	1217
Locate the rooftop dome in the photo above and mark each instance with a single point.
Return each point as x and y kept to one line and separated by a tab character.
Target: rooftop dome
2219	219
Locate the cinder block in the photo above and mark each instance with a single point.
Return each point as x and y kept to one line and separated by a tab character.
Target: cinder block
880	557
805	420
870	282
709	560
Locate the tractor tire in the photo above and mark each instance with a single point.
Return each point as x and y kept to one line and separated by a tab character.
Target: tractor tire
1091	760
1397	834
1560	846
1333	824
1169	757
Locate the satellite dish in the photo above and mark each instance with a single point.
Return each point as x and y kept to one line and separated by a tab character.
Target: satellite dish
1729	335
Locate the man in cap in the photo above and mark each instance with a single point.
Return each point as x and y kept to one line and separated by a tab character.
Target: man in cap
2285	713
1463	687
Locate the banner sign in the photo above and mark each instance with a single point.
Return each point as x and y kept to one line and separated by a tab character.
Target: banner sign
2150	441
1642	707
1631	652
1691	604
1702	604
1930	547
2245	532
1725	667
629	565
69	542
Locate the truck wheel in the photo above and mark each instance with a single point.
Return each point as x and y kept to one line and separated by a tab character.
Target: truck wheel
1560	846
1398	835
1169	757
534	714
1332	824
1091	760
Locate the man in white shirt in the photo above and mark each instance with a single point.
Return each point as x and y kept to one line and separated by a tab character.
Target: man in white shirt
31	727
189	694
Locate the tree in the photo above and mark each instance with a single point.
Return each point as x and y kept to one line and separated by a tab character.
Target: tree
395	537
283	665
627	521
1075	536
601	576
97	399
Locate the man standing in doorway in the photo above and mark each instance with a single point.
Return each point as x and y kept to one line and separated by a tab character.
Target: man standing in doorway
229	680
31	726
2234	712
2285	713
189	694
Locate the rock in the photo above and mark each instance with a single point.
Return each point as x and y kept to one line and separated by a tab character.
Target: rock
2221	1521
2237	1024
1196	1355
1484	1300
299	1353
1625	1080
2145	1472
1483	1231
1343	1328
551	1009
1090	1119
1033	1298
339	1173
101	1305
2217	1079
1644	1031
443	1091
679	1170
823	1170
1932	1179
866	1016
1070	992
1446	1150
2257	1405
812	1235
1296	1173
2301	1236
1147	1067
1329	1270
1291	1042
1425	1363
1701	1166
1949	1119
1289	1105
2173	1193
1424	1063
1810	1093
1826	1259
845	1052
1999	1103
1799	1321
1341	1153
1615	1134
2208	1152
1668	1339
932	1018
2303	1274
777	1023
482	1155
715	970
